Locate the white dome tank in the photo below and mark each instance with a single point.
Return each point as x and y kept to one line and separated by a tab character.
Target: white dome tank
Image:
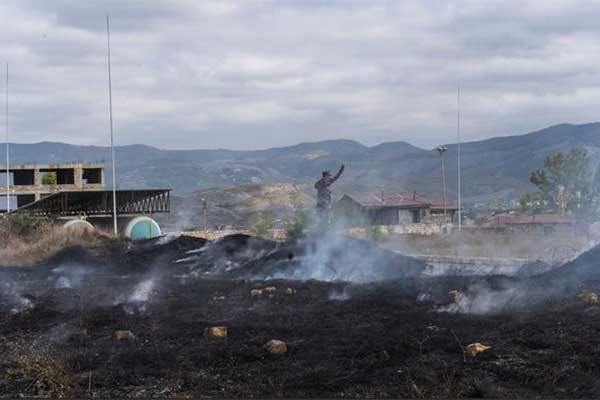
142	227
78	226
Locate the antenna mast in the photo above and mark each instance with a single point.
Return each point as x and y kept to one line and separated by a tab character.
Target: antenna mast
458	157
112	142
7	151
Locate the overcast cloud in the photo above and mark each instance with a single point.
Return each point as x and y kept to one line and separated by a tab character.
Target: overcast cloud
256	74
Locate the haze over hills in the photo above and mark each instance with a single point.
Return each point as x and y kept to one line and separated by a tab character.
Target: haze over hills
497	167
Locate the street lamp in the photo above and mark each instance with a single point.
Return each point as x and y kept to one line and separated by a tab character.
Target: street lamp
441	150
204	209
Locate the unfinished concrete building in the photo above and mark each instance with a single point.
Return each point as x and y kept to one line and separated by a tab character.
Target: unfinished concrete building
32	182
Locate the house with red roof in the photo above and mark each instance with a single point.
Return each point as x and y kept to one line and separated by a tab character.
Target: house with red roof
392	208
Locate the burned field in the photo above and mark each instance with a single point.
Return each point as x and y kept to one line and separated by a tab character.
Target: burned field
126	320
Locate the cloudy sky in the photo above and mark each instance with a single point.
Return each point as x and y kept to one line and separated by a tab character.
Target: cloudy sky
256	74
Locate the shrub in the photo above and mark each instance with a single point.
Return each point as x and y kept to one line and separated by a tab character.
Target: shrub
298	225
261	223
49	178
375	233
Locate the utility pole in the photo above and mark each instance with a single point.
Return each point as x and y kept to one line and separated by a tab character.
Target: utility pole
204	211
112	142
441	150
7	150
458	159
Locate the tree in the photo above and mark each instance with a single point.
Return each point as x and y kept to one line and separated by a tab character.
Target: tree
564	182
49	178
261	223
531	202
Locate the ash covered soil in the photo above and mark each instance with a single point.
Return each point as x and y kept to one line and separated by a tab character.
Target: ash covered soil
391	332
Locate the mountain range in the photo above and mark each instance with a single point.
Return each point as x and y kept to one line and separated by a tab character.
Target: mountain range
492	168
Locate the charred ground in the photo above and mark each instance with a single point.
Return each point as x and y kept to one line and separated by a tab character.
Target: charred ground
372	339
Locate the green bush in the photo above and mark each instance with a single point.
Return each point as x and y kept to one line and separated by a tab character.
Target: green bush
375	233
261	223
298	225
49	178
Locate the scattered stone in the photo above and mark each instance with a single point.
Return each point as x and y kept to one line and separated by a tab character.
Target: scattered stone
275	346
290	291
474	349
123	335
588	297
216	332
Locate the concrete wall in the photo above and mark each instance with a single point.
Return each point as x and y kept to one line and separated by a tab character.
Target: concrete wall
403	229
276	234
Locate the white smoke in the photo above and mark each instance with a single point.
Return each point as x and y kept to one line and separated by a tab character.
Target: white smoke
166	239
63	282
481	299
424	297
12	294
339	295
142	291
71	276
21	304
333	257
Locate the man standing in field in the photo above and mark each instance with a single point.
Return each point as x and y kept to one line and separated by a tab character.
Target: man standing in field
324	197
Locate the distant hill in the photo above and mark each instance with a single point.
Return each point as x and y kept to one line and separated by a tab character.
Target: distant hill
234	205
497	167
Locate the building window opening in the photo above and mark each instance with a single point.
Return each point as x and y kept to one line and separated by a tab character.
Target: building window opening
23	177
24	199
3	179
62	176
92	176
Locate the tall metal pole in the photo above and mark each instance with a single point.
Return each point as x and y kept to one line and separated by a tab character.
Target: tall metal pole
442	150
204	210
112	142
7	150
458	159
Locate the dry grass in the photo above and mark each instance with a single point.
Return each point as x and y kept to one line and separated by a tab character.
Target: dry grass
24	249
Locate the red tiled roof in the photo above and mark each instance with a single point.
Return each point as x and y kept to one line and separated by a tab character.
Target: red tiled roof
401	200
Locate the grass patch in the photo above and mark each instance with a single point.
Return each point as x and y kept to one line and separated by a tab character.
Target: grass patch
27	241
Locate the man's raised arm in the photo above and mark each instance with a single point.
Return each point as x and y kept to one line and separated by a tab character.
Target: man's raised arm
339	173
